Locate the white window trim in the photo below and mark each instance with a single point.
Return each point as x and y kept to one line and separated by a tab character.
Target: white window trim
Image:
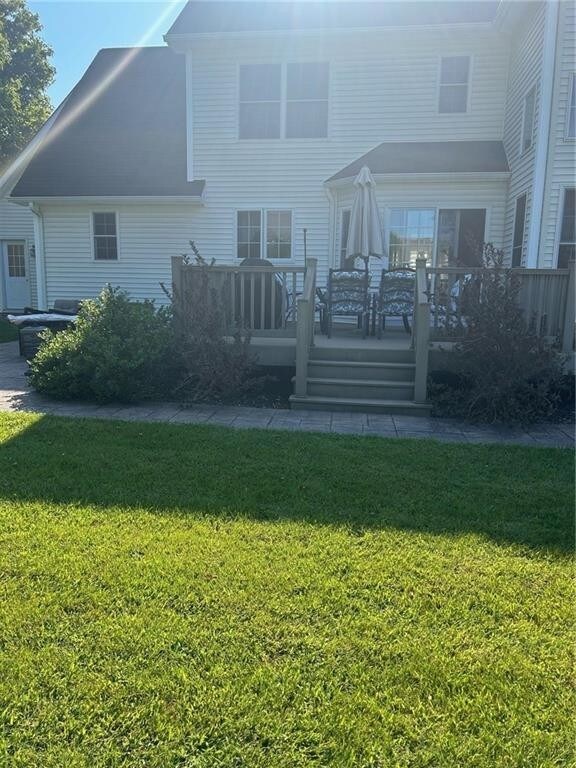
523	247
342	245
560	217
263	231
439	83
571	87
284	102
93	249
523	151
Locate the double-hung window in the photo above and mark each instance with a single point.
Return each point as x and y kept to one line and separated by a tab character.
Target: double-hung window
519	224
571	111
283	101
528	114
260	101
567	246
105	236
264	234
454	84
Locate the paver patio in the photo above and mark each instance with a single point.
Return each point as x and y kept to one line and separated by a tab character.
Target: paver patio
16	395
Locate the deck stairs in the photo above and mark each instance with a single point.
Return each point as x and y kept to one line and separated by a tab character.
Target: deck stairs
359	377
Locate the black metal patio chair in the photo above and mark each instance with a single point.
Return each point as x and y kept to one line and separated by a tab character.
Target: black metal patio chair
346	295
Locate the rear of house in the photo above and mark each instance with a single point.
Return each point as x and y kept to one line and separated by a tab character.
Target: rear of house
251	125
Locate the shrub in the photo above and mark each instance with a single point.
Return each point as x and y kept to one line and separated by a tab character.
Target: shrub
117	350
216	367
501	372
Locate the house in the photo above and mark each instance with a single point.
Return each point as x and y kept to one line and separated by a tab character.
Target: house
252	122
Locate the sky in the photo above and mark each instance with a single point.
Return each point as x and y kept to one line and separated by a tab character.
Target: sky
77	29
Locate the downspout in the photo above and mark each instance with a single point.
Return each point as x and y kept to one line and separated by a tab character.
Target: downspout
40	259
332	224
544	121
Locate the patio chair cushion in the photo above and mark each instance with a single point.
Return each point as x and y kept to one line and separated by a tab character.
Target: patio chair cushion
396	295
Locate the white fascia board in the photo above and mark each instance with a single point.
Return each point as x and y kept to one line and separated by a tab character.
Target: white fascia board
466	178
183	41
104	200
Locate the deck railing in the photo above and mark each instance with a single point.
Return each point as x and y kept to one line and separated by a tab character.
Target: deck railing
260	299
546	297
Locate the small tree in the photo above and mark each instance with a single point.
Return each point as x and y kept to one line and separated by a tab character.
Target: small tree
501	371
25	73
215	367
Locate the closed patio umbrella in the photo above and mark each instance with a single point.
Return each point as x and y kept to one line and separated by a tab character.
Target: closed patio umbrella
365	232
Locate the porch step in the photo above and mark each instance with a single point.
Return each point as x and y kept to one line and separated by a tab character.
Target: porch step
362	354
360	389
352	369
362	405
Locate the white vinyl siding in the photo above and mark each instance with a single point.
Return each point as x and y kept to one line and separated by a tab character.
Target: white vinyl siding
561	166
571	110
16	223
454	84
525	74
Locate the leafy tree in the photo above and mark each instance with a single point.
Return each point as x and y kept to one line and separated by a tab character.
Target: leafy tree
25	73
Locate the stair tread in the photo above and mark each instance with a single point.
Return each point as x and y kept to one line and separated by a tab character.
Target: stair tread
360	382
358	401
359	364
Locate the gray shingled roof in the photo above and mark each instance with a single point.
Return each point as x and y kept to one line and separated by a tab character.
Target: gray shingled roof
130	141
219	16
430	157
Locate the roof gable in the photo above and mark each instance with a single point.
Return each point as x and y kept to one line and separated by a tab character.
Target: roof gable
421	157
121	132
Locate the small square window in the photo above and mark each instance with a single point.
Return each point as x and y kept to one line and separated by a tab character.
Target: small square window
105	236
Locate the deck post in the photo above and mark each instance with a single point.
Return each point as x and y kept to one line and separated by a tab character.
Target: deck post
421	324
305	328
569	319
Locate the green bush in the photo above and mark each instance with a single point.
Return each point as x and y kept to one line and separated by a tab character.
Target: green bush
501	372
117	350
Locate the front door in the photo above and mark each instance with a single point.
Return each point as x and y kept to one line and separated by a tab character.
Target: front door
15	270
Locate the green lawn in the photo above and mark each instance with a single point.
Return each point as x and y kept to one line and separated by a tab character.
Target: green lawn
195	597
8	332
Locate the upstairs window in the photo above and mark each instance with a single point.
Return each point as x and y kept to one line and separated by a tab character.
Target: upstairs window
567	247
260	101
454	79
519	224
105	233
571	116
283	101
528	120
306	101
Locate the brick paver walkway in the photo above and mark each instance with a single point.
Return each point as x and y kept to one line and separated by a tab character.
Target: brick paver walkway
15	395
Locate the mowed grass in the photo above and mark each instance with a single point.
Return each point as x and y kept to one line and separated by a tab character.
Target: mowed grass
210	598
8	332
